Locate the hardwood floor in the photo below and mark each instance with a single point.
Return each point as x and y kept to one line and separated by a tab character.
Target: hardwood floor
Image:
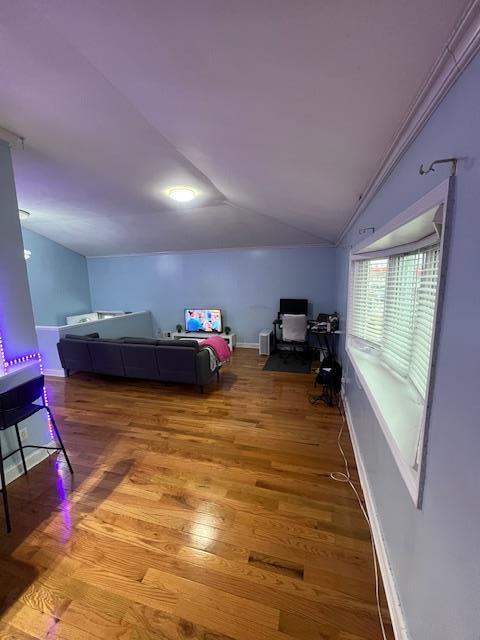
202	517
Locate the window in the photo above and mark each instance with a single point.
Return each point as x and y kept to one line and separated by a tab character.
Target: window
394	290
392	310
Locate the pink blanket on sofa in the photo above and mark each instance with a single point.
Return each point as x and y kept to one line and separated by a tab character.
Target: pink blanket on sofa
221	348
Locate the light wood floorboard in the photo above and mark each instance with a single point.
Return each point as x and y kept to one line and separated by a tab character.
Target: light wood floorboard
202	517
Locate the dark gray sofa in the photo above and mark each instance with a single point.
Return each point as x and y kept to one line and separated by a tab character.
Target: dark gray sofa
149	359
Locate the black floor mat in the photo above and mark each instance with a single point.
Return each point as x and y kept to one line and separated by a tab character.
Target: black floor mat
294	364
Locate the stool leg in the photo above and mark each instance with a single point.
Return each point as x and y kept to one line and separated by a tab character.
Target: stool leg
57	433
20	446
4	493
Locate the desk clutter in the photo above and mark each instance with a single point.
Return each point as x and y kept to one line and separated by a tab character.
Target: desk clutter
325	322
295	341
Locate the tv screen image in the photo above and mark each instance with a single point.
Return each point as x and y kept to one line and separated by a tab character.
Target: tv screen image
208	320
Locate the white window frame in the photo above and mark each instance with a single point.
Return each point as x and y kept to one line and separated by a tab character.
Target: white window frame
406	232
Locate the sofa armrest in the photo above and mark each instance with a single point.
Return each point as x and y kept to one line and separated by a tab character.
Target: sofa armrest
204	373
60	355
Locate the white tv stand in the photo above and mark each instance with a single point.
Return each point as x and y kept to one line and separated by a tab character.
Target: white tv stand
231	338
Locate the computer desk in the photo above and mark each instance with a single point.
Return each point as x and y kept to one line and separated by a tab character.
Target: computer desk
321	335
329	345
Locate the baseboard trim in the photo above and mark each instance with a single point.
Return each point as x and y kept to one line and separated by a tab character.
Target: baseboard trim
395	608
247	345
55	373
32	459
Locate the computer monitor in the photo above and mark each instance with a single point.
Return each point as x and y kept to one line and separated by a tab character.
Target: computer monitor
295	306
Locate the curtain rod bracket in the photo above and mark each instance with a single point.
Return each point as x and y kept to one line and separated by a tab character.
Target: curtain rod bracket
453	169
366	230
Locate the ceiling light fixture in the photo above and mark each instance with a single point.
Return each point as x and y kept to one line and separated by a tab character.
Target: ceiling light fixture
24	215
182	194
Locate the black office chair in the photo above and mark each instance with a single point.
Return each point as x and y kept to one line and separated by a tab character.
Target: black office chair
295	337
16	405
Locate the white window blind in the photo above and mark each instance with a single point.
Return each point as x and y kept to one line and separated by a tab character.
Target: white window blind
392	307
400	311
368	299
427	285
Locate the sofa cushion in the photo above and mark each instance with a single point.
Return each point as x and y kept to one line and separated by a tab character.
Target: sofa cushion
192	344
134	340
176	364
75	355
106	357
139	361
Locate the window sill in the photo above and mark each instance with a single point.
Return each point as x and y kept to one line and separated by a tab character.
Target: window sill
397	408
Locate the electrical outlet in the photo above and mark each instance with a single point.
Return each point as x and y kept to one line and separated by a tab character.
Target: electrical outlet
23	434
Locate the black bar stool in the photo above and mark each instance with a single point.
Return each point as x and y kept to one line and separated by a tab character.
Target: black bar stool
16	405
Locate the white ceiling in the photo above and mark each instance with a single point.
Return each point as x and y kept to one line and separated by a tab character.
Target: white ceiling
276	111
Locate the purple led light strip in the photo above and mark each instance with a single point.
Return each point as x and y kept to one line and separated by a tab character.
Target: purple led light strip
5	364
2	353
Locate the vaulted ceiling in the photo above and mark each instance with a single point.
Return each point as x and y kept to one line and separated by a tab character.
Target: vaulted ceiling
276	111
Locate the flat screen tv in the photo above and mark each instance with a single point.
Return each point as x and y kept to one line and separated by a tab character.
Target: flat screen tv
208	320
295	306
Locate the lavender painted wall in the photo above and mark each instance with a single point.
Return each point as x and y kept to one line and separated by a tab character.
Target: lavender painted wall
246	284
16	315
58	279
434	551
